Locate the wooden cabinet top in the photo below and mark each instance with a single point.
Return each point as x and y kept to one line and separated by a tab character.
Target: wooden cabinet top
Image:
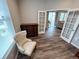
30	24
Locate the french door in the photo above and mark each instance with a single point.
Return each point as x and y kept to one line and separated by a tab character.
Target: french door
41	22
75	40
70	26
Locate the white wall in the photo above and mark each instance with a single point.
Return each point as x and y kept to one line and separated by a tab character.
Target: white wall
62	4
14	11
29	8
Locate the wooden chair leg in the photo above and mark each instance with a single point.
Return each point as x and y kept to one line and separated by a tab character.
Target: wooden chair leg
22	56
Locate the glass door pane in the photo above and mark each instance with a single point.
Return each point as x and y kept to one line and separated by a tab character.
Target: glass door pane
70	25
67	24
75	40
41	21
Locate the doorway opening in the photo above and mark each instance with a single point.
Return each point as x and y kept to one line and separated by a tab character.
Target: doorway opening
51	18
61	17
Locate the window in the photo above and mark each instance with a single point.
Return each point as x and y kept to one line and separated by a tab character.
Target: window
6	36
62	16
3	27
6	30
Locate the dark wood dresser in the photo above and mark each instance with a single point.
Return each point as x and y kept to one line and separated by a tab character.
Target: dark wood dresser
32	29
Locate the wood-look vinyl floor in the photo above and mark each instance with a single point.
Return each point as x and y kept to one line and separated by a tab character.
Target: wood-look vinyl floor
51	46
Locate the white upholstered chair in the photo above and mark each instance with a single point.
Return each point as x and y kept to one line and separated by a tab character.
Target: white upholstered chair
25	45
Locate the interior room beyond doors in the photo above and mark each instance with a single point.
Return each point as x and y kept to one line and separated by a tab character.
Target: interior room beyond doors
51	18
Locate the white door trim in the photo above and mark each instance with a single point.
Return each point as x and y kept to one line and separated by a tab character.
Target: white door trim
44	22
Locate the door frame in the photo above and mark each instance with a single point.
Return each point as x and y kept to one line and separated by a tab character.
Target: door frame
63	28
47	17
45	21
69	41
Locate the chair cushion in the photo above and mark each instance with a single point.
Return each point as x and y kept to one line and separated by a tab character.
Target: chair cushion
22	41
29	47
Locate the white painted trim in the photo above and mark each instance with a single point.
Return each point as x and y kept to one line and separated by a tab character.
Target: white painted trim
75	26
64	27
41	32
57	9
65	39
68	9
45	21
75	45
44	24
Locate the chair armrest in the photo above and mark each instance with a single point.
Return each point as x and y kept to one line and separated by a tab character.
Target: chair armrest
20	48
